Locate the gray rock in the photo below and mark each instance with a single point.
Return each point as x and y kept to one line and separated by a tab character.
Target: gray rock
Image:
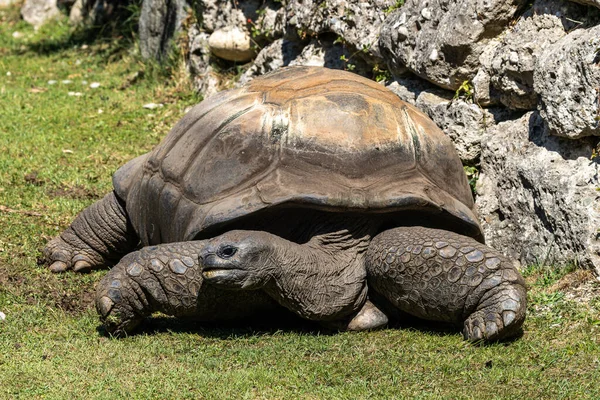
484	93
409	87
464	122
323	53
205	79
276	55
442	41
513	65
160	21
77	13
264	18
595	3
567	78
38	12
355	23
537	195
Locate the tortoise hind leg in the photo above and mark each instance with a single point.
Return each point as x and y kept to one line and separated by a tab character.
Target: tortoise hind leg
442	276
99	235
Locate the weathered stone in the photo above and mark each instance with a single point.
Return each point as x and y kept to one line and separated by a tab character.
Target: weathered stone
355	23
567	78
265	17
442	42
38	12
160	22
274	56
595	3
464	122
205	79
409	87
322	53
514	61
537	194
232	44
484	93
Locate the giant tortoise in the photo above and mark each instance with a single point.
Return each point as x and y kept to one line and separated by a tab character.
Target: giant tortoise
309	189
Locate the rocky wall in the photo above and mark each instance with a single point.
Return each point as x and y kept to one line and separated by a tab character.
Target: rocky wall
514	83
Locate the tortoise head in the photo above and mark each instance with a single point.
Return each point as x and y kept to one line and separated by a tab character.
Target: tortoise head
239	259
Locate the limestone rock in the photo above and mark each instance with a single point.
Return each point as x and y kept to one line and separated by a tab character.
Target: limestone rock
355	23
567	78
205	79
464	122
537	195
408	87
484	93
442	41
323	53
274	56
160	21
38	12
512	68
266	17
232	44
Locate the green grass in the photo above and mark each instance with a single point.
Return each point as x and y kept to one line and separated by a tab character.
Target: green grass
57	154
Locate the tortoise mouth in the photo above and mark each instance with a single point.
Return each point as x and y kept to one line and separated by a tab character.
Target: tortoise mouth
213	272
225	277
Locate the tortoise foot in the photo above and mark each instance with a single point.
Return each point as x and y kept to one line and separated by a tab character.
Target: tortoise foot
163	278
100	235
75	255
498	317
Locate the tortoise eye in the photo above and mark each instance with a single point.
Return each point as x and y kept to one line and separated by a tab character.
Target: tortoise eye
227	251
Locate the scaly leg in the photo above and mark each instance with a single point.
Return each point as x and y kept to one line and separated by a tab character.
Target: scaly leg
100	235
442	276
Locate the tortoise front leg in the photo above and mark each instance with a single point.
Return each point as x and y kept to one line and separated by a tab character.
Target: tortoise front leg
99	235
167	278
442	276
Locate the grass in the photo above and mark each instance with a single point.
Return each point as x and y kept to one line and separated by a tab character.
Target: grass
57	154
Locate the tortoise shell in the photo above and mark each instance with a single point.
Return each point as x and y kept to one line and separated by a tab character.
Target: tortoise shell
301	137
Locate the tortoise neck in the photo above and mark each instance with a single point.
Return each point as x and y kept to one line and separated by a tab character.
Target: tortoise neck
325	278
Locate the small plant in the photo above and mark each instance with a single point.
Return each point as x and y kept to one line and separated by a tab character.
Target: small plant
472	176
465	91
339	40
397	5
349	66
595	156
381	74
258	31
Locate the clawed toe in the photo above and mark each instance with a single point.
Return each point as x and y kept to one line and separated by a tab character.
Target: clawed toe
58	266
61	256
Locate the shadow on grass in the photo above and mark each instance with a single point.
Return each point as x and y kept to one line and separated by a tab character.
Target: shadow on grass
119	30
282	323
227	330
